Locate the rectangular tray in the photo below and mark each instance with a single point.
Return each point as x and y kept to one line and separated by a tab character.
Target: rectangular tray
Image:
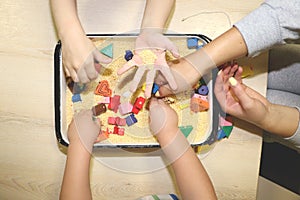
62	103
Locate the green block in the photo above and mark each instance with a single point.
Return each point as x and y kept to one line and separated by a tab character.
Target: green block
227	130
108	51
186	130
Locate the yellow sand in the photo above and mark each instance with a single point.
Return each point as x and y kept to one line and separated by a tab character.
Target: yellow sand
138	133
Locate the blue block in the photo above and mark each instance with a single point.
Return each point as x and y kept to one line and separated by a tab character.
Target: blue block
76	98
155	88
130	120
128	55
203	90
221	134
192	43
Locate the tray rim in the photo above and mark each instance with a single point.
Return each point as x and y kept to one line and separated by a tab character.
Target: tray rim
57	97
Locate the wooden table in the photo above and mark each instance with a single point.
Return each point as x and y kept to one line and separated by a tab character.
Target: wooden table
32	164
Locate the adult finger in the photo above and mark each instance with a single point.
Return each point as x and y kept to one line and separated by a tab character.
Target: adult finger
244	99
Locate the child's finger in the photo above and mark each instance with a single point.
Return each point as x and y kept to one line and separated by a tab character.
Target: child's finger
100	58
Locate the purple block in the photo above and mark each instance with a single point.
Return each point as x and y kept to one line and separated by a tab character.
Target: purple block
203	90
130	120
128	55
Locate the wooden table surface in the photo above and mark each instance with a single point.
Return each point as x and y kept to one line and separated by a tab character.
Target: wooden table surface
31	162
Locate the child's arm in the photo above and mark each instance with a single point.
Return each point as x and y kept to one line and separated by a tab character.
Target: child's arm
156	14
245	103
191	177
81	59
153	25
82	133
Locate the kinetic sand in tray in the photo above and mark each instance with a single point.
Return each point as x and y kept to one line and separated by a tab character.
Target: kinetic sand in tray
138	133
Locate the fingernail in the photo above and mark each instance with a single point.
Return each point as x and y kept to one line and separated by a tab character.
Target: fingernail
232	81
219	72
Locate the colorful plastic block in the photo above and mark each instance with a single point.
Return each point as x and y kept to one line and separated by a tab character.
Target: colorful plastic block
76	98
198	105
186	130
99	109
120	121
103	89
203	90
125	108
221	134
111	120
227	130
227	121
105	100
155	88
102	136
192	43
116	130
114	103
138	105
121	131
203	97
130	120
108	51
128	55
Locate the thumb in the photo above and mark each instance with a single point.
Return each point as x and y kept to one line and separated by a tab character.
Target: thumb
101	58
240	93
173	49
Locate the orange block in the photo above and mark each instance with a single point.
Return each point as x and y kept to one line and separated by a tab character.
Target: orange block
198	105
103	89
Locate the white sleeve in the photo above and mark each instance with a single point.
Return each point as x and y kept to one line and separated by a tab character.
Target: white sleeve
295	138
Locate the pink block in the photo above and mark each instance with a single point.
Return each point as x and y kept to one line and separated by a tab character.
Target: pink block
121	131
225	122
105	100
111	120
125	108
120	121
114	103
205	98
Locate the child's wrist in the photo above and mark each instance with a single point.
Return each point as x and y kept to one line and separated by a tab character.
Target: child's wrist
151	30
71	29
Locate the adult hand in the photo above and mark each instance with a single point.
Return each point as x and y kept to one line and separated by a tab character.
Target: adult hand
187	71
237	99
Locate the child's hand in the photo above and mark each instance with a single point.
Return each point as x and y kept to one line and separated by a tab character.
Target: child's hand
151	38
84	130
237	99
163	119
81	59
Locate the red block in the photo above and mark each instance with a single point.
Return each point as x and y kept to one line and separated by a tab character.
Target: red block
138	105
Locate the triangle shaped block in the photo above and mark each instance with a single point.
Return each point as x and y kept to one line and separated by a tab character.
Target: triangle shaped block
221	134
227	130
186	130
108	51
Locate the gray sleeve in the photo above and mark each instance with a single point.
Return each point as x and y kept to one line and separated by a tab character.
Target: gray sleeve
295	138
274	22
